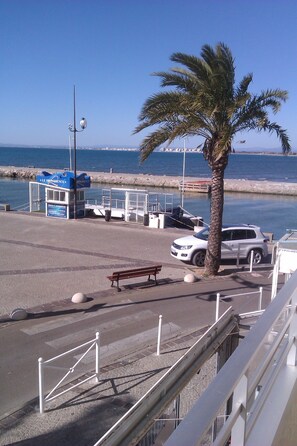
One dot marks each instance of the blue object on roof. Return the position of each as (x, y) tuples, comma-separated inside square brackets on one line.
[(64, 179)]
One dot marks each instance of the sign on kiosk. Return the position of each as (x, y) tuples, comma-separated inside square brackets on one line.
[(59, 193)]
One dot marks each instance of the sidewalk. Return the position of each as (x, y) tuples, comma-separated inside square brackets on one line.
[(83, 415), (43, 263), (86, 412)]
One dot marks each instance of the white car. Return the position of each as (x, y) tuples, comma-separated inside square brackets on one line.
[(236, 240)]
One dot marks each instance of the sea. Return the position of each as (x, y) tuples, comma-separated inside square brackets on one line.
[(273, 213)]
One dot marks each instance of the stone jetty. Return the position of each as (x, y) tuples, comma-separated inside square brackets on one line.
[(160, 181)]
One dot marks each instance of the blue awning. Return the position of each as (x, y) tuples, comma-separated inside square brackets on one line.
[(64, 179)]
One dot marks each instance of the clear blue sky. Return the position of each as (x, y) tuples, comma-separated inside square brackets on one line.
[(109, 48)]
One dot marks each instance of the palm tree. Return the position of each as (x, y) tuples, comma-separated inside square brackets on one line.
[(205, 102)]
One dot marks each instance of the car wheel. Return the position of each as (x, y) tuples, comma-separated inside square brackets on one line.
[(199, 258), (258, 256)]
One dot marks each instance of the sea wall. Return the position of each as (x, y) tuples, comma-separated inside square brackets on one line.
[(160, 181)]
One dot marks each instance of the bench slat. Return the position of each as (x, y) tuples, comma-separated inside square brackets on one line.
[(129, 275), (136, 272)]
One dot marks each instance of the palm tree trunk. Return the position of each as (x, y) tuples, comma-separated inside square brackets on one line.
[(213, 255)]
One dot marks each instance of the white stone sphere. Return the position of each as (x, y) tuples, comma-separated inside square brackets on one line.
[(78, 298), (18, 314), (190, 278)]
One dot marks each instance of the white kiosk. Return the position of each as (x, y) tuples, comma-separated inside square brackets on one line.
[(59, 194)]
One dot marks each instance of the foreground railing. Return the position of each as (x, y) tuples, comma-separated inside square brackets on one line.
[(94, 343), (248, 377), (132, 427), (229, 296)]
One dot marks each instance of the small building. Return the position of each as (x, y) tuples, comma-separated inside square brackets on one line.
[(59, 194)]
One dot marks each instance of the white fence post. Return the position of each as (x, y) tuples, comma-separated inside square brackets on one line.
[(41, 385), (251, 260), (217, 306), (159, 335), (97, 356), (260, 297), (238, 256)]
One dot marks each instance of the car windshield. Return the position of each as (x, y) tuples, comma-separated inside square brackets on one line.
[(202, 235)]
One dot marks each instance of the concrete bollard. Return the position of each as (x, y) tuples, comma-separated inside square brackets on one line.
[(18, 314), (190, 278), (79, 298)]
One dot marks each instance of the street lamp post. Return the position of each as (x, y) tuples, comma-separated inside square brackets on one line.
[(72, 128), (184, 170)]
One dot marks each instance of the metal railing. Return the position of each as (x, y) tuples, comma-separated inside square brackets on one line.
[(219, 298), (132, 427), (250, 377), (107, 203), (45, 364)]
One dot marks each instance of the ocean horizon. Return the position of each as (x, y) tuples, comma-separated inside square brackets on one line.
[(268, 167)]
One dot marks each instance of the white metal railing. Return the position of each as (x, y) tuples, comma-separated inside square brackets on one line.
[(45, 364), (22, 207), (93, 201), (116, 203), (218, 298), (250, 376), (151, 405)]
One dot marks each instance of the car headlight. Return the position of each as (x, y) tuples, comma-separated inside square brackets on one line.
[(186, 247)]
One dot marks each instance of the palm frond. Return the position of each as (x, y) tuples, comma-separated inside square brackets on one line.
[(160, 107), (181, 79), (280, 132), (154, 140), (243, 86), (205, 101)]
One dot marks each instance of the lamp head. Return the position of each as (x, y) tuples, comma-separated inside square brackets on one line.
[(83, 123)]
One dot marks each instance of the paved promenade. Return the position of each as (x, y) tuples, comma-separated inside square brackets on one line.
[(45, 260), (43, 263)]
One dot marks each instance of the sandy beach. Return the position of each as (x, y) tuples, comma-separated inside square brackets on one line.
[(163, 181)]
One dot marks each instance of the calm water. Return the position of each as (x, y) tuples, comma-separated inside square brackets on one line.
[(273, 213), (254, 167)]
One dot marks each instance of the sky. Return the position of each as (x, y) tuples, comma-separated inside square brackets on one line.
[(109, 49)]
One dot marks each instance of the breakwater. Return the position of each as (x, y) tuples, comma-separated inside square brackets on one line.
[(161, 181)]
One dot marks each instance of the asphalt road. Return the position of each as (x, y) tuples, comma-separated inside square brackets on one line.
[(44, 262)]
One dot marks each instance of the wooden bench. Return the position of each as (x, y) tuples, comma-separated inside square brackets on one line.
[(136, 272)]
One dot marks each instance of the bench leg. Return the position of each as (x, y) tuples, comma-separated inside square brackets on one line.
[(112, 285), (149, 278)]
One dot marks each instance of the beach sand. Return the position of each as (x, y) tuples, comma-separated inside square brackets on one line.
[(161, 181)]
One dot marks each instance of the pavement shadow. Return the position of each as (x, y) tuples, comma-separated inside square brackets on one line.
[(104, 404), (208, 295), (84, 429), (49, 313), (115, 386)]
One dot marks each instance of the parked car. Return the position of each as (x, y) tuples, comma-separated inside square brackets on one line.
[(236, 240)]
